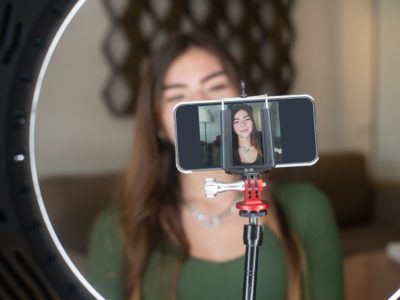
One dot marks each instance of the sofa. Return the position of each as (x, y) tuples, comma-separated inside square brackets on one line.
[(366, 211)]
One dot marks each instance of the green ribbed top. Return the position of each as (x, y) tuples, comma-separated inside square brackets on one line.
[(309, 215)]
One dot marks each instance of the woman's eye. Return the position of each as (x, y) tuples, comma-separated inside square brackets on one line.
[(217, 87), (179, 97)]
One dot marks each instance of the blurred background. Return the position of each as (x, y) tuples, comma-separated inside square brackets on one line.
[(344, 53)]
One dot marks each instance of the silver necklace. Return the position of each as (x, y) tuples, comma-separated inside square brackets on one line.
[(244, 149), (211, 221)]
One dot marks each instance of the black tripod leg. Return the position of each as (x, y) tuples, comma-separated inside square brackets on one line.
[(252, 237)]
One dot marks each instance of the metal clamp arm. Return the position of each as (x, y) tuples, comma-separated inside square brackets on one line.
[(213, 187)]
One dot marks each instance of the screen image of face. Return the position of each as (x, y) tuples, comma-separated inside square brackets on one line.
[(247, 135), (290, 132), (246, 138)]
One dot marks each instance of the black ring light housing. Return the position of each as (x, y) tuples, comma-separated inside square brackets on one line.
[(33, 264)]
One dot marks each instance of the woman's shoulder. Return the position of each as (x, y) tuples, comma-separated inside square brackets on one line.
[(105, 257), (310, 215), (304, 205), (106, 230), (108, 218), (297, 195)]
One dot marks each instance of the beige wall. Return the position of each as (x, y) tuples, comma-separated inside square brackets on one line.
[(387, 108), (335, 54), (75, 133)]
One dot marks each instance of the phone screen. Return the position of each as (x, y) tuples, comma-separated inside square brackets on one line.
[(292, 125)]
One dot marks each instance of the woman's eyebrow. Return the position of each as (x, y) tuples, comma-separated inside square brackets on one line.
[(172, 86), (241, 117), (212, 75)]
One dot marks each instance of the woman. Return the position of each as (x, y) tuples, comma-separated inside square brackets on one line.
[(155, 246), (245, 140)]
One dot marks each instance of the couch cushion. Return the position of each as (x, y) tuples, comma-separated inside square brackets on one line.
[(343, 178), (368, 237), (73, 202)]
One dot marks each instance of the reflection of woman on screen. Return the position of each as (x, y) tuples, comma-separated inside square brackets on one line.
[(245, 138)]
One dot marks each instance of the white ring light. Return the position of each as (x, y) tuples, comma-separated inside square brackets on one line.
[(32, 122)]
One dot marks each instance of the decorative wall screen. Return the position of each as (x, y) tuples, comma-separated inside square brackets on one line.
[(258, 33)]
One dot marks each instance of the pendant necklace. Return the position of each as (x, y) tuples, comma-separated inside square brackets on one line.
[(211, 221), (245, 149)]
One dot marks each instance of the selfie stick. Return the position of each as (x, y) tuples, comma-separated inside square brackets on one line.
[(253, 206)]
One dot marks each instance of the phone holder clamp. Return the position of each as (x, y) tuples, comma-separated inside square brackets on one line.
[(252, 186)]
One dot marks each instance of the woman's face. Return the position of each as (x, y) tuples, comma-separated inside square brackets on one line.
[(195, 75), (242, 124)]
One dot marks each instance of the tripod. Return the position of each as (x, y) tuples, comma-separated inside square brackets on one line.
[(252, 207)]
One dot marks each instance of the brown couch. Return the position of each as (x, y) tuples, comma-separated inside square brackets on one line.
[(73, 203), (367, 211)]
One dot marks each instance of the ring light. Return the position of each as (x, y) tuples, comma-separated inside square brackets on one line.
[(33, 263)]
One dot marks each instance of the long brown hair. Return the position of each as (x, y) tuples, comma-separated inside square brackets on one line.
[(151, 199), (151, 191)]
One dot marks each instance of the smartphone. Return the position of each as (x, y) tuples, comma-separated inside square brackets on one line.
[(199, 126)]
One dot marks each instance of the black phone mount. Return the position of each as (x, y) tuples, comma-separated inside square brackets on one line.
[(227, 147), (252, 206)]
